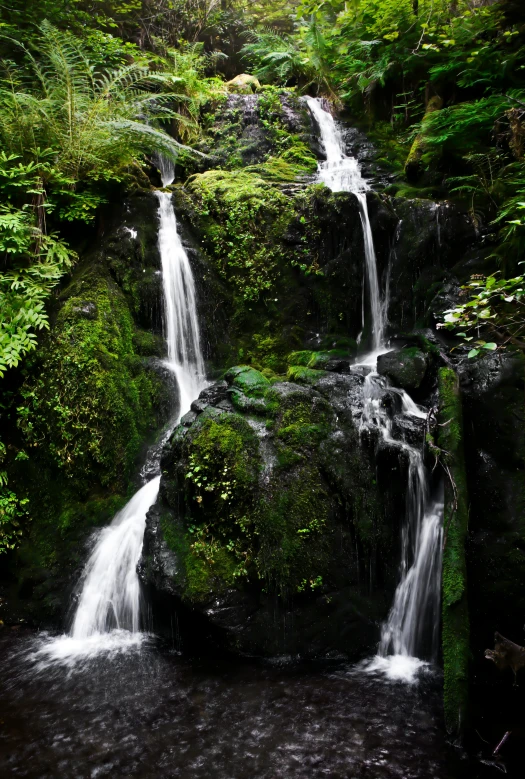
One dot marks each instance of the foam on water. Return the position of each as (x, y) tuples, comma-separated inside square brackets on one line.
[(69, 651), (396, 668)]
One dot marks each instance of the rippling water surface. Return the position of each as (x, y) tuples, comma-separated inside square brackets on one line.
[(147, 712)]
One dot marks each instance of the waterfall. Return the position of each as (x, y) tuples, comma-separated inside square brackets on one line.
[(341, 173), (412, 624), (109, 608), (180, 307), (166, 169)]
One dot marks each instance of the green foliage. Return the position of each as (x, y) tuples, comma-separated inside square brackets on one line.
[(285, 59), (495, 309), (373, 53), (221, 472), (92, 125), (12, 509), (68, 130), (37, 262)]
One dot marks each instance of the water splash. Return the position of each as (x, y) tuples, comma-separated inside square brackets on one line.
[(110, 591)]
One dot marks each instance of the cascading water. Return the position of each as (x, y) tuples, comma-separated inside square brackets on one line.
[(412, 625), (181, 323), (108, 611), (341, 173)]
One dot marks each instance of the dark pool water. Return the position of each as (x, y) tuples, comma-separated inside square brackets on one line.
[(150, 713)]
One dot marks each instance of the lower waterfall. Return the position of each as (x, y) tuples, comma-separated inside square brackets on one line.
[(412, 627), (108, 612)]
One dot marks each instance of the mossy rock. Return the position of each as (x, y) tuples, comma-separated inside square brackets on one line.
[(94, 392), (316, 360), (248, 380), (304, 375), (406, 368), (421, 157), (250, 390), (243, 84), (260, 515), (455, 632)]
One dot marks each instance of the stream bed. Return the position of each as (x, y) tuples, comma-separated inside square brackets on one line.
[(148, 712)]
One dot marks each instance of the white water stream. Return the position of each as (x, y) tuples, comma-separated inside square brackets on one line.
[(413, 623), (342, 174), (108, 614)]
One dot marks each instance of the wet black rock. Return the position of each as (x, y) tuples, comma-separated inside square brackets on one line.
[(406, 368)]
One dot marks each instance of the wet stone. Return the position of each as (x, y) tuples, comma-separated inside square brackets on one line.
[(406, 368), (188, 419), (198, 406)]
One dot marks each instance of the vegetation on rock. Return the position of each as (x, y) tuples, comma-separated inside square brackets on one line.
[(456, 652)]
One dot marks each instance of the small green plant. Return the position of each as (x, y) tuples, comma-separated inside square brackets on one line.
[(496, 308), (313, 583), (12, 509)]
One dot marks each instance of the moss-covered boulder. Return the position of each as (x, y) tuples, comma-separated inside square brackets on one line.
[(243, 129), (288, 266), (275, 513), (406, 367), (243, 84)]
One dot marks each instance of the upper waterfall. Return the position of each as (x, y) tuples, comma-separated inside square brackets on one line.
[(342, 174), (180, 308)]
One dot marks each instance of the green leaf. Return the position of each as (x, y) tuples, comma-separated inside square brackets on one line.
[(473, 353), (491, 346)]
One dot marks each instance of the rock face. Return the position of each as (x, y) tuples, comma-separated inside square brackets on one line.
[(494, 413), (422, 249), (406, 368), (276, 525)]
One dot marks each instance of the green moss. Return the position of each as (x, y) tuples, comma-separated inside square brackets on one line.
[(421, 157), (287, 457), (92, 398), (290, 531), (148, 344), (316, 360), (298, 373), (249, 380), (87, 404), (221, 471), (251, 390), (206, 567), (455, 608), (242, 219), (267, 351), (299, 435), (237, 528)]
